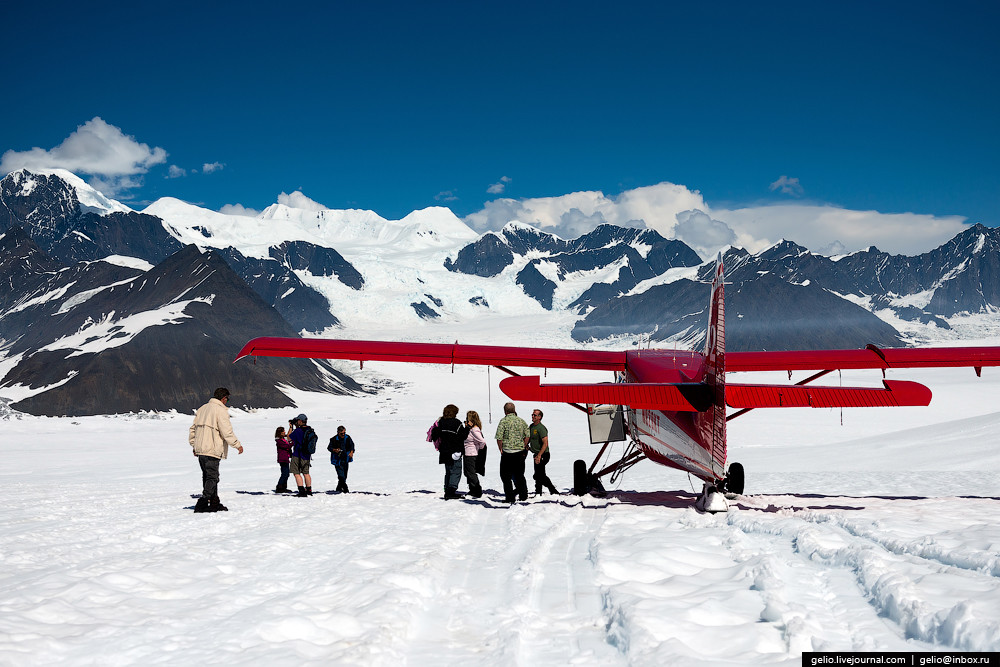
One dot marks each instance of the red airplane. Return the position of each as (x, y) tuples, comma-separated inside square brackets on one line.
[(670, 404)]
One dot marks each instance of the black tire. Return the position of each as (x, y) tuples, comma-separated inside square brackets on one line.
[(735, 478), (580, 483)]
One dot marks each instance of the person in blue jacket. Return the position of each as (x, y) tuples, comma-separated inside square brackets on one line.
[(341, 450)]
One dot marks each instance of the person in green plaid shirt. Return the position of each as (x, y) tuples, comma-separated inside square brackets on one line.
[(512, 438)]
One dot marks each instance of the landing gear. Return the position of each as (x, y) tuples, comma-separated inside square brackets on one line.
[(714, 496), (580, 486), (585, 482), (732, 485), (711, 500)]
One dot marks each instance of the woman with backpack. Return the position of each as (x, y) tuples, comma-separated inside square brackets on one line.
[(450, 435)]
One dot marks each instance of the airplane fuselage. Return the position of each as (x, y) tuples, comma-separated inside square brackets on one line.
[(681, 440)]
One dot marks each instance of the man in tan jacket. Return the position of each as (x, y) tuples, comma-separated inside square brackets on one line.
[(211, 435)]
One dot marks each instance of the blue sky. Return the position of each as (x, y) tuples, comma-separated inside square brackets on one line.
[(867, 106)]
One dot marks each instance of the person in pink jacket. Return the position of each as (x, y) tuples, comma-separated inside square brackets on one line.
[(475, 446), (210, 436), (284, 446)]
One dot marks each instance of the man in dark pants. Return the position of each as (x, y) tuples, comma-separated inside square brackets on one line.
[(341, 450), (210, 436), (538, 443), (512, 437)]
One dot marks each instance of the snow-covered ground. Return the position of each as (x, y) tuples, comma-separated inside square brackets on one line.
[(871, 530)]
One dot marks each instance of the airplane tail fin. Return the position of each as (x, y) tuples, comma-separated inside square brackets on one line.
[(713, 421)]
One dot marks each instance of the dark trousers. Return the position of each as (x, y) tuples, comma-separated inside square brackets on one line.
[(283, 480), (469, 467), (541, 479), (512, 475), (341, 469), (452, 474), (209, 476)]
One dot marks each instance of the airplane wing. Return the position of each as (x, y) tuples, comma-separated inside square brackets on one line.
[(433, 353), (870, 357)]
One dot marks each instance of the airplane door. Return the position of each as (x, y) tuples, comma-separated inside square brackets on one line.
[(607, 423)]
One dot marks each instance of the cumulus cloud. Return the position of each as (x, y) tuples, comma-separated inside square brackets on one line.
[(176, 172), (299, 200), (209, 167), (498, 187), (114, 161), (823, 228), (678, 212), (705, 235), (239, 209), (655, 206), (787, 186)]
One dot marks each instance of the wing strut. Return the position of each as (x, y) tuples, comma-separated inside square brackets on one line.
[(806, 381)]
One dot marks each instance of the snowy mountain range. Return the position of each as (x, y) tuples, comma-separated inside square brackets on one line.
[(115, 310)]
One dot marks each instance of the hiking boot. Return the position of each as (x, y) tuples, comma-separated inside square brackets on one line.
[(215, 505), (302, 492), (309, 490), (202, 505)]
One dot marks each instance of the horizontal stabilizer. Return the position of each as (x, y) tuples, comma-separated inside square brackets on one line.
[(433, 353), (896, 393), (681, 397)]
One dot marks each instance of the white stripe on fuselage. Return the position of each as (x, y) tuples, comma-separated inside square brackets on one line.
[(658, 433)]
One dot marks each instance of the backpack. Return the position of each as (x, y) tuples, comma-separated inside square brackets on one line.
[(310, 440)]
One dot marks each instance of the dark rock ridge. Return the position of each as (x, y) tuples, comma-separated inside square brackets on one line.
[(764, 314), (424, 311), (642, 254), (319, 261), (49, 211), (302, 306), (802, 305), (100, 355)]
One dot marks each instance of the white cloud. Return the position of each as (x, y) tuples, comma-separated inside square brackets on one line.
[(678, 212), (446, 195), (209, 167), (787, 186), (239, 209), (655, 206), (705, 235), (300, 201), (824, 228), (176, 172), (114, 160), (498, 187)]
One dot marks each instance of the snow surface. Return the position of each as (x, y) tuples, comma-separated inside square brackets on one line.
[(871, 530)]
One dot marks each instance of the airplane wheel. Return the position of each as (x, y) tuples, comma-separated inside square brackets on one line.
[(735, 478), (580, 485)]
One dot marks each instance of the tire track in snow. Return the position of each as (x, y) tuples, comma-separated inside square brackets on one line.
[(909, 582), (529, 595)]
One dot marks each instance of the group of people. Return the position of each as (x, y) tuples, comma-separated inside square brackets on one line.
[(462, 448), (296, 448), (211, 435)]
